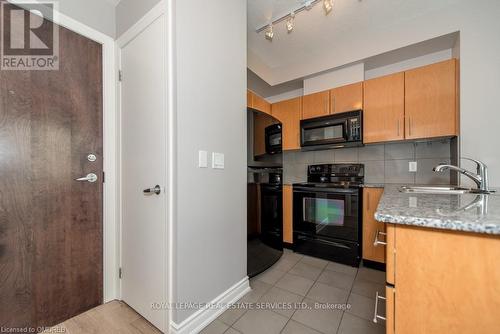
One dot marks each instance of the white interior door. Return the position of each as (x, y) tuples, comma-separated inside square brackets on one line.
[(143, 166)]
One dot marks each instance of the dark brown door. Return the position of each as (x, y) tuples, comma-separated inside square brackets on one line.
[(51, 241)]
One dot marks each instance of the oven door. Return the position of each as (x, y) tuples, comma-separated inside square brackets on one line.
[(273, 139), (272, 215), (328, 212)]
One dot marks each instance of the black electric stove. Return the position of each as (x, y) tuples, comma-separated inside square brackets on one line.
[(327, 213)]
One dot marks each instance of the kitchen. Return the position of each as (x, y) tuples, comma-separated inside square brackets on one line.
[(368, 162), (241, 167)]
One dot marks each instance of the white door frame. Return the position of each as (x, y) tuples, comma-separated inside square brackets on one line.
[(110, 145), (164, 7)]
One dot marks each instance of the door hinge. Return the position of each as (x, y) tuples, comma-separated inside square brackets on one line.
[(120, 75), (103, 177), (120, 273)]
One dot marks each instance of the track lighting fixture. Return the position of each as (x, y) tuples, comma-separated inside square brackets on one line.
[(289, 22), (269, 32), (289, 19), (327, 6)]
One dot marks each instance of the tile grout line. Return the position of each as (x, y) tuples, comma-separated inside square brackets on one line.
[(315, 281), (347, 301), (303, 298)]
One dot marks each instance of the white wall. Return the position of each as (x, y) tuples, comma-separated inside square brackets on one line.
[(409, 64), (334, 78), (210, 239), (97, 14), (129, 12)]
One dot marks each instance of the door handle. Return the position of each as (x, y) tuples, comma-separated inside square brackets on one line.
[(376, 317), (91, 177), (377, 241), (156, 190)]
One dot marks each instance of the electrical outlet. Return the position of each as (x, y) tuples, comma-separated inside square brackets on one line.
[(412, 167)]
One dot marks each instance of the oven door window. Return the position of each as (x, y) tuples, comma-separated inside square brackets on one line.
[(326, 134), (323, 212), (334, 215)]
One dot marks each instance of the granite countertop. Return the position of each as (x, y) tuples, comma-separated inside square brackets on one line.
[(467, 212)]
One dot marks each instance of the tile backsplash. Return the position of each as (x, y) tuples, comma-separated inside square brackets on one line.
[(384, 163)]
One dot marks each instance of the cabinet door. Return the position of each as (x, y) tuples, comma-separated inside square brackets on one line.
[(316, 105), (371, 197), (390, 254), (430, 101), (346, 98), (260, 123), (384, 109), (446, 282), (289, 112), (288, 214), (262, 105), (389, 310)]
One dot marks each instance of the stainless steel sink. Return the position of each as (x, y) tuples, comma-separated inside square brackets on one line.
[(436, 190)]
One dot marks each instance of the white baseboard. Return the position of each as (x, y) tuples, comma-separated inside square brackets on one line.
[(199, 320)]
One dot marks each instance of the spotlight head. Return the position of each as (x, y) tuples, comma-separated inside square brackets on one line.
[(269, 33), (327, 6)]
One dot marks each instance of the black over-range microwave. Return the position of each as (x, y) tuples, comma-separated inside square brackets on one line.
[(332, 131)]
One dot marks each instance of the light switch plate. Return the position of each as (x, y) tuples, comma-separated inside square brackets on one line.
[(202, 159), (412, 167), (217, 160)]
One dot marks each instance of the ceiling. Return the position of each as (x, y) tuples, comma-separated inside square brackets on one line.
[(302, 52), (113, 2)]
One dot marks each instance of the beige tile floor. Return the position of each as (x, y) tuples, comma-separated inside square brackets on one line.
[(293, 279), (302, 279)]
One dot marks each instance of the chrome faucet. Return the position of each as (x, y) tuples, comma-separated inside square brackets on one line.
[(481, 178)]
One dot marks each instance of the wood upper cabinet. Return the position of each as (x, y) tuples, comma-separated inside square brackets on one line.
[(371, 197), (260, 123), (346, 98), (384, 109), (250, 95), (254, 101), (431, 101), (288, 214), (289, 113), (446, 281), (316, 105)]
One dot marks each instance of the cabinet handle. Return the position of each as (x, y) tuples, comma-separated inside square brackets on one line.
[(333, 105), (368, 201), (409, 124), (398, 127), (375, 314), (376, 241)]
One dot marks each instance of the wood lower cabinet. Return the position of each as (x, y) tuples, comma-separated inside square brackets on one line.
[(431, 101), (346, 98), (289, 113), (288, 214), (316, 105), (445, 282), (384, 109), (372, 252)]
